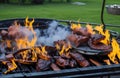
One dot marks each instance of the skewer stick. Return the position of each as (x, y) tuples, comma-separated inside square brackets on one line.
[(95, 62)]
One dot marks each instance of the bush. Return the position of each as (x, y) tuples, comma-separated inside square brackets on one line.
[(4, 1), (38, 1)]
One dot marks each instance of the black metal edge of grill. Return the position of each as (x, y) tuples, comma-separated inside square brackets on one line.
[(3, 23), (93, 71)]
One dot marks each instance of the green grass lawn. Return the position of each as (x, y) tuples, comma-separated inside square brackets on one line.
[(61, 10)]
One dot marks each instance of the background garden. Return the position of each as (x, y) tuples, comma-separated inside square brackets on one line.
[(87, 11)]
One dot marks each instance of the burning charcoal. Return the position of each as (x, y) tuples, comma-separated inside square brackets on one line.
[(10, 64), (61, 43), (54, 67), (25, 56), (82, 31), (43, 65), (62, 46), (77, 40), (80, 59), (51, 50), (43, 56), (62, 62)]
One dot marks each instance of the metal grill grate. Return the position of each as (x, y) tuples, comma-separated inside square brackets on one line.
[(30, 70)]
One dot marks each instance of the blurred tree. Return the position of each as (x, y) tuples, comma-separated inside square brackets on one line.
[(22, 1), (68, 0), (38, 1), (50, 0), (4, 1), (61, 0)]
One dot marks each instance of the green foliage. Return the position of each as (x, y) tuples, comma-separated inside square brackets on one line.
[(61, 10)]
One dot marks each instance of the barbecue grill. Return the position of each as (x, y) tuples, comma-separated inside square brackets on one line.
[(95, 70), (30, 71)]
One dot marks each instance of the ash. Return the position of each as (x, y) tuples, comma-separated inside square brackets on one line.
[(53, 33)]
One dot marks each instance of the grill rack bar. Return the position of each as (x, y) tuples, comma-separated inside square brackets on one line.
[(69, 22), (46, 21), (93, 71)]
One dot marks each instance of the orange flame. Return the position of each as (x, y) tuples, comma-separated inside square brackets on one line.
[(68, 47), (57, 47), (62, 50), (11, 65), (26, 59), (104, 33), (115, 52), (90, 29), (74, 26), (65, 49), (8, 42), (24, 43), (42, 53)]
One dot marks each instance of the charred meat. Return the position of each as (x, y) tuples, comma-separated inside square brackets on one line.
[(43, 65), (77, 40), (80, 59)]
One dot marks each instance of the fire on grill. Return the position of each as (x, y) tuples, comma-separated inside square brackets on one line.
[(56, 47)]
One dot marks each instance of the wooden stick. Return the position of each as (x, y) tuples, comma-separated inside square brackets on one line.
[(107, 61), (95, 62)]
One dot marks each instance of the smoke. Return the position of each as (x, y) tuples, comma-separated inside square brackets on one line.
[(53, 33)]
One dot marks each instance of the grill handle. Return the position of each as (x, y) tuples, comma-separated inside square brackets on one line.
[(102, 14)]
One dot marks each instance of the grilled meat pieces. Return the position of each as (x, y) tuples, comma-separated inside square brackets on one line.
[(80, 59)]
